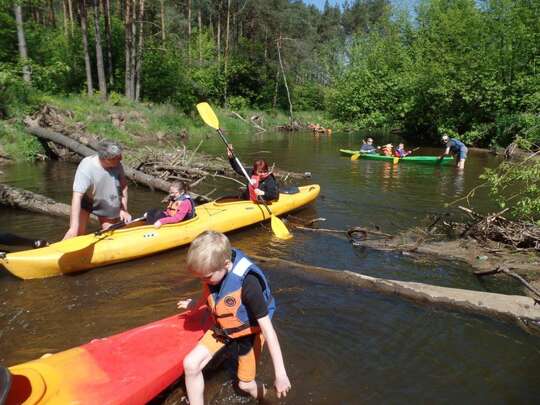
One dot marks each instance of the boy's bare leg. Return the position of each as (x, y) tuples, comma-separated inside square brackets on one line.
[(194, 363), (257, 391)]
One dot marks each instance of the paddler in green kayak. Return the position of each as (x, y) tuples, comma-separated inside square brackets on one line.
[(239, 297)]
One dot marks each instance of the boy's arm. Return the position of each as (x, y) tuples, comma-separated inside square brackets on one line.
[(189, 303), (282, 383)]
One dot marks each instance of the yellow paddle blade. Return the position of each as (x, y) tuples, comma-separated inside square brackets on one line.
[(208, 115), (396, 160), (355, 156), (279, 228)]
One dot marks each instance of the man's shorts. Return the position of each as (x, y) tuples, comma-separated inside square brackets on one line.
[(249, 351), (463, 153)]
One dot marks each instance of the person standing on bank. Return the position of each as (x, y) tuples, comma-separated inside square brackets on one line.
[(457, 149), (100, 188)]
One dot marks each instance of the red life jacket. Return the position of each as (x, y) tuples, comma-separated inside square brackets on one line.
[(256, 180)]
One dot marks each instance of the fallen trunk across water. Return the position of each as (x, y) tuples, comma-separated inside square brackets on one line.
[(521, 310)]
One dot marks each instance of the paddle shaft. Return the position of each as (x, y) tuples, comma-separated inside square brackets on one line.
[(226, 142), (118, 225)]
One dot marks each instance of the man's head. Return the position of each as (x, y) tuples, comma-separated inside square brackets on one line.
[(109, 153), (209, 257), (444, 138)]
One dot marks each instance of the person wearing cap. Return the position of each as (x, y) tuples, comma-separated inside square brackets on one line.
[(456, 148), (100, 188), (367, 147)]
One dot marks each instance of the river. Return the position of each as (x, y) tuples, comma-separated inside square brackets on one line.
[(341, 344)]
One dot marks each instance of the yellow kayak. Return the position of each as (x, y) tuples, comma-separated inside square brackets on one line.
[(89, 251)]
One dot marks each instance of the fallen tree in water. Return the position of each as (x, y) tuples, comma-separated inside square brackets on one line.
[(153, 167), (523, 311), (27, 200)]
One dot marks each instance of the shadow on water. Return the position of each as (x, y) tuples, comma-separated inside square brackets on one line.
[(341, 344)]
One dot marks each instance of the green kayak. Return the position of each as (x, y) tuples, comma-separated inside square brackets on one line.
[(422, 160)]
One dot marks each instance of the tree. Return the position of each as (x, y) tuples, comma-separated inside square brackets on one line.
[(23, 51), (84, 32), (99, 53)]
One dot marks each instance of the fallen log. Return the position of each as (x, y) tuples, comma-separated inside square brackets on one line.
[(27, 200), (517, 309), (132, 174)]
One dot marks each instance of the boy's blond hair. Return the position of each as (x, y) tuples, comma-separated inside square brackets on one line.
[(208, 253)]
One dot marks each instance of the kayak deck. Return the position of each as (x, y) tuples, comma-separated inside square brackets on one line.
[(89, 251), (128, 368), (425, 160)]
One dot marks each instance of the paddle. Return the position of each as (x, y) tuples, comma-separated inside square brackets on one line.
[(83, 241), (355, 156), (209, 117)]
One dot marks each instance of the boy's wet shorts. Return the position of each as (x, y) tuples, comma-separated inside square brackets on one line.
[(249, 351)]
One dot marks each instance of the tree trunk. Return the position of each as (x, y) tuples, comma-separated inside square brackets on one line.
[(23, 51), (128, 48), (278, 43), (133, 60), (65, 13), (199, 19), (162, 13), (218, 36), (189, 33), (52, 15), (84, 32), (70, 8), (99, 54), (226, 51), (139, 52), (107, 16)]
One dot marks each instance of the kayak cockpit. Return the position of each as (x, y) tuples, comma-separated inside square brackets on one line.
[(26, 387)]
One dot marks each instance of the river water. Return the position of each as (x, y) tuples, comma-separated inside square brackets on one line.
[(341, 344)]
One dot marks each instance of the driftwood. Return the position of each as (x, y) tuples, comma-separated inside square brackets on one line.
[(253, 121), (27, 200), (511, 308), (506, 271), (132, 174)]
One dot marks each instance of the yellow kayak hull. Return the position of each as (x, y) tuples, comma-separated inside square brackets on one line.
[(89, 251)]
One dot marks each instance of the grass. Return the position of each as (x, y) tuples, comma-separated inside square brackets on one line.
[(143, 121)]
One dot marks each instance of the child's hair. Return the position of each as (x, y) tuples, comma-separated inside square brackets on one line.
[(181, 186), (208, 253), (260, 165)]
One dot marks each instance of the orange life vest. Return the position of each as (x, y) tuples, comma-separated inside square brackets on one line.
[(256, 180), (174, 206), (230, 314)]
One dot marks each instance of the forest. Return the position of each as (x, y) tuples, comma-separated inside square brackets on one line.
[(466, 68)]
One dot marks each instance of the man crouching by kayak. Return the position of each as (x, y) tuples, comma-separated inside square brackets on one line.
[(239, 298), (263, 184), (457, 149)]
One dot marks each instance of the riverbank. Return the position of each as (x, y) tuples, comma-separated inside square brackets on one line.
[(133, 123)]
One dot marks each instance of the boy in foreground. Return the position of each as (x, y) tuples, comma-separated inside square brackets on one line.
[(240, 300)]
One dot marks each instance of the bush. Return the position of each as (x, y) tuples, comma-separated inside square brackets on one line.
[(15, 95)]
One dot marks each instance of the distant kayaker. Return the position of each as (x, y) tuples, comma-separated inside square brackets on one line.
[(456, 148), (180, 207), (16, 240), (100, 188), (367, 147), (239, 298), (400, 151), (387, 150), (263, 183)]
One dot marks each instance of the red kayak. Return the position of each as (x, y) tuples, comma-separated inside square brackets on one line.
[(132, 367)]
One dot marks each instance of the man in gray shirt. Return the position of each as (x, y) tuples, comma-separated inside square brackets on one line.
[(100, 188)]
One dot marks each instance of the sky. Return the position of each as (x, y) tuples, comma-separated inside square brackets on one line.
[(320, 3)]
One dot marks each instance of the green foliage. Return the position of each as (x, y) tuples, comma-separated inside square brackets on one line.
[(517, 186), (16, 97), (17, 143)]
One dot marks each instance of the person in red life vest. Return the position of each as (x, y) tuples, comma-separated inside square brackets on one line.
[(239, 298), (263, 183), (386, 150), (180, 207), (400, 152)]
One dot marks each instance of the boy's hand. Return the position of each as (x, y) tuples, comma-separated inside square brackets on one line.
[(183, 304), (283, 385)]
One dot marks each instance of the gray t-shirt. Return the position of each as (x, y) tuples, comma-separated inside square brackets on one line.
[(101, 187)]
